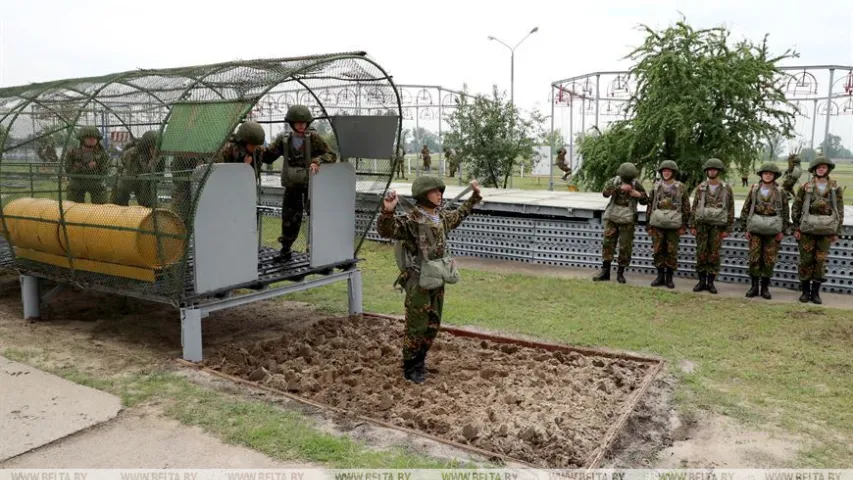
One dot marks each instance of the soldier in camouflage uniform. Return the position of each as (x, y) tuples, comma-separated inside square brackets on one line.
[(89, 160), (426, 158), (712, 219), (767, 199), (452, 162), (792, 174), (137, 161), (46, 151), (814, 249), (401, 163), (423, 307), (563, 164), (624, 191), (300, 158), (242, 147), (667, 194)]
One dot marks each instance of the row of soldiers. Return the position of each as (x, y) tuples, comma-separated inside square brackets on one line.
[(303, 150), (815, 219), (453, 161)]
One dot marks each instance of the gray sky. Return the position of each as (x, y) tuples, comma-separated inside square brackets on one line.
[(439, 42)]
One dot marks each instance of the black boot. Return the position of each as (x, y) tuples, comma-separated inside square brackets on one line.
[(711, 287), (816, 292), (604, 274), (807, 291), (703, 283), (765, 289), (411, 371), (620, 274), (669, 283), (660, 278), (753, 291)]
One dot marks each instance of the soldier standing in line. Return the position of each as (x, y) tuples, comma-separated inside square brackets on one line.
[(764, 217), (303, 150), (818, 219), (667, 215), (620, 217), (423, 232), (426, 158), (712, 219), (90, 160), (140, 159), (401, 161)]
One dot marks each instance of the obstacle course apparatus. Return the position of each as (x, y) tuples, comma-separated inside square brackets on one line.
[(196, 234)]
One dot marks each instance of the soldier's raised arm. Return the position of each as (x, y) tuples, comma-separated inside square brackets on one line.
[(611, 186), (275, 150)]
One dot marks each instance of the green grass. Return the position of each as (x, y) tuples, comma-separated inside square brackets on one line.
[(786, 365), (282, 434)]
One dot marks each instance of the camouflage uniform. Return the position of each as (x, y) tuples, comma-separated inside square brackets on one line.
[(792, 174), (137, 161), (423, 307), (47, 152), (401, 163), (426, 158), (623, 233), (563, 164), (77, 162), (452, 162), (709, 238), (298, 155), (667, 196), (814, 249), (764, 249)]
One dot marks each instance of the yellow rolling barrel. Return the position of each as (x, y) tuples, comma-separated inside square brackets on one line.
[(129, 241)]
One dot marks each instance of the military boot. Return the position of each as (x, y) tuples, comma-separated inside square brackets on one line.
[(604, 274), (669, 283), (620, 274), (411, 371), (816, 292), (765, 289), (806, 286), (711, 287), (753, 291), (703, 284), (658, 281)]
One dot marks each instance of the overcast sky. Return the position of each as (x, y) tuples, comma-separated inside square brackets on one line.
[(438, 42)]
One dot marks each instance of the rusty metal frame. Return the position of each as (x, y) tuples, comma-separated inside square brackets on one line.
[(597, 455)]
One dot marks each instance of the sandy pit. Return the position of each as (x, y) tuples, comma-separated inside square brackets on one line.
[(549, 409)]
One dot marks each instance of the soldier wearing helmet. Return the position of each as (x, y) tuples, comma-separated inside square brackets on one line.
[(765, 219), (426, 158), (243, 146), (47, 151), (87, 165), (401, 160), (563, 164), (136, 166), (818, 218), (792, 174), (303, 151), (452, 161), (712, 220), (423, 234), (667, 214), (625, 192)]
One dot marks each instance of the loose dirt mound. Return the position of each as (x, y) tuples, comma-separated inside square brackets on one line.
[(551, 409)]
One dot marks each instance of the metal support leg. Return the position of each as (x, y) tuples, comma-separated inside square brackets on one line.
[(30, 297), (191, 334), (354, 287)]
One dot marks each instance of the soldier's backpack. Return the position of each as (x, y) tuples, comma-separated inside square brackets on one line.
[(764, 224), (667, 219), (717, 217), (819, 224)]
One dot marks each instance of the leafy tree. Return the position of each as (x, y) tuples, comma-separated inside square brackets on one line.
[(492, 137), (696, 97), (773, 147), (421, 137), (833, 148)]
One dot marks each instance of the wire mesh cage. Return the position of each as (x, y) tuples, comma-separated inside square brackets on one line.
[(100, 177)]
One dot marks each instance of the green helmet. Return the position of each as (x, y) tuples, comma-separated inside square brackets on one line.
[(668, 164), (252, 133), (714, 163), (298, 113), (821, 160), (148, 140), (89, 132), (627, 172), (769, 167), (422, 185)]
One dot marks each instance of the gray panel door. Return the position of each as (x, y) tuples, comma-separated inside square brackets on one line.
[(332, 221)]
